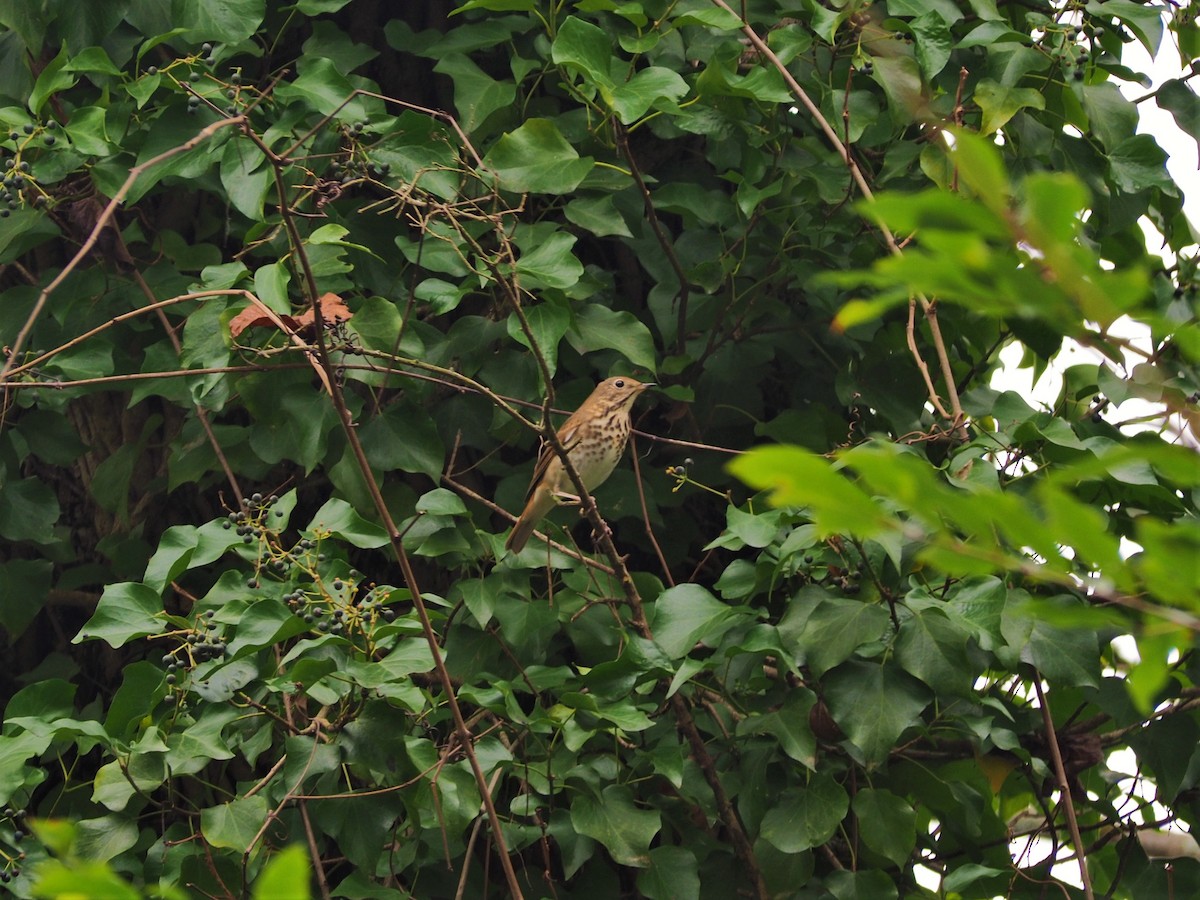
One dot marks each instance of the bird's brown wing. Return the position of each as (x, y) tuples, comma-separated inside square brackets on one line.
[(569, 436)]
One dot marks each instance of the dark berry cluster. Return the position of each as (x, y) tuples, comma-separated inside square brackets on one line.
[(18, 185), (199, 644), (11, 862), (251, 520)]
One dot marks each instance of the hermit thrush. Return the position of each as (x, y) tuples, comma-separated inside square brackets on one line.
[(594, 438)]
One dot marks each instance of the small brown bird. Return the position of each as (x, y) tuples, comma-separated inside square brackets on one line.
[(594, 438)]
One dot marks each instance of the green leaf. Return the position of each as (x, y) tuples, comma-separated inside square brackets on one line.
[(673, 874), (864, 884), (836, 628), (1001, 102), (125, 611), (476, 94), (874, 704), (1182, 102), (1062, 655), (28, 511), (1144, 21), (548, 323), (1138, 163), (887, 824), (337, 517), (235, 824), (789, 725), (550, 264), (584, 47), (756, 530), (900, 78), (934, 42), (536, 158), (228, 21), (403, 438), (286, 873), (631, 99), (599, 215), (24, 584), (806, 817), (271, 287), (688, 614), (797, 477), (54, 77), (612, 819), (596, 327), (88, 131), (933, 648), (246, 177)]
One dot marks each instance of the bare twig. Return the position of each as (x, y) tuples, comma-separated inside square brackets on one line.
[(955, 413), (1060, 775)]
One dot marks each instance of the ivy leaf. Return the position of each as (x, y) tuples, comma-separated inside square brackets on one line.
[(585, 47), (536, 158), (633, 98), (887, 823), (337, 517), (227, 21), (874, 704), (246, 176), (835, 629), (673, 874), (615, 821), (933, 648), (476, 94), (806, 817), (53, 78), (550, 264), (28, 511), (599, 215), (933, 41), (547, 323), (286, 874), (1138, 163), (596, 327), (1182, 102), (688, 614), (126, 611), (105, 838), (235, 824), (1001, 102)]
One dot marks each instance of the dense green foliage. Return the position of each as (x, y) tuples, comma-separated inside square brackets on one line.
[(286, 292)]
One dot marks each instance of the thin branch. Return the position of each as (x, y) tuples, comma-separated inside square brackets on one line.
[(103, 220), (668, 249), (1060, 775), (346, 420), (956, 414)]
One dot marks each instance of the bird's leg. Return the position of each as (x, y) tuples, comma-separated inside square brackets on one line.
[(562, 498)]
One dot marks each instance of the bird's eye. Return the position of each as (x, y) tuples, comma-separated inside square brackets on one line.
[(619, 383)]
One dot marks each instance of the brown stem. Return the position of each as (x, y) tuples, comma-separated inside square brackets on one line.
[(668, 249), (101, 222), (1060, 775), (956, 413), (345, 419)]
